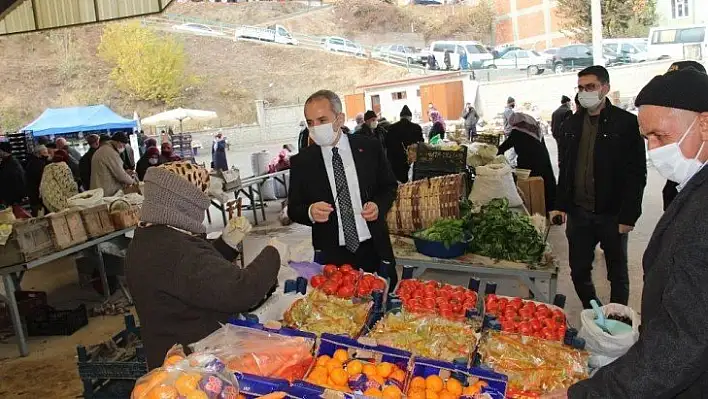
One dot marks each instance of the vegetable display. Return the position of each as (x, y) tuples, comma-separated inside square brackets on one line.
[(501, 233), (319, 313), (434, 387), (527, 317), (345, 282), (426, 335), (447, 231), (431, 297)]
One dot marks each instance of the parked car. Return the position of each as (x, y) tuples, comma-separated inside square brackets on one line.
[(501, 50), (475, 52), (577, 56), (678, 42), (341, 45), (627, 50), (273, 33), (198, 29), (527, 60), (549, 53), (400, 53)]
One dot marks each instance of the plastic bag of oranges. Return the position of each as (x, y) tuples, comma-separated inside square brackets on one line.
[(194, 377)]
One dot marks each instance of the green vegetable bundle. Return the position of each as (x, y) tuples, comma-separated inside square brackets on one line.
[(447, 231), (501, 233)]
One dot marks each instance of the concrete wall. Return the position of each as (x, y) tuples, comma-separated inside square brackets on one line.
[(546, 91)]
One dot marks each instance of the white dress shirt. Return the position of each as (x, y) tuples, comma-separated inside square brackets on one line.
[(345, 151)]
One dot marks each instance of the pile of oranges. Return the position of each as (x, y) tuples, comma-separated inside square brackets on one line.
[(433, 387), (342, 373)]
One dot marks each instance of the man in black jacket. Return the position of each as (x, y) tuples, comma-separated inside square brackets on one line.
[(401, 135), (600, 187), (342, 186), (372, 129), (557, 118), (12, 177), (34, 169), (85, 162)]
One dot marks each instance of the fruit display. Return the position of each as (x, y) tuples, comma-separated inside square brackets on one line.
[(320, 313), (193, 377), (431, 297), (433, 387), (437, 380), (258, 352), (534, 366), (346, 282), (426, 335), (529, 318)]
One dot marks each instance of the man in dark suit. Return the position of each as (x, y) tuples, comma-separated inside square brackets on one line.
[(342, 186), (557, 118), (401, 135), (669, 359)]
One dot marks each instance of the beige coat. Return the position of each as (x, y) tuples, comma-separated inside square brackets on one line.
[(57, 186), (107, 171)]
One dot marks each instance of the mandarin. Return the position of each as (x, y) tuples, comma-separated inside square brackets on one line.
[(398, 375), (392, 392), (162, 392), (445, 394), (333, 364), (369, 370), (322, 360), (430, 394), (418, 383), (187, 383), (339, 377), (373, 392), (355, 367), (416, 393), (434, 383), (172, 360), (139, 391), (384, 369), (454, 387), (341, 355), (380, 380), (198, 394)]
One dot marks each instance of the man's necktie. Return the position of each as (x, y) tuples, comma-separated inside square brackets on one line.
[(351, 236)]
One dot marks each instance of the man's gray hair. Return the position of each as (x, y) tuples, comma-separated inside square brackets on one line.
[(359, 118), (331, 96), (38, 149)]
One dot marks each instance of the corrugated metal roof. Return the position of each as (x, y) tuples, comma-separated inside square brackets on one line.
[(31, 15)]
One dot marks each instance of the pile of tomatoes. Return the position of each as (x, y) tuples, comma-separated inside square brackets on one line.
[(346, 282), (430, 297), (527, 317)]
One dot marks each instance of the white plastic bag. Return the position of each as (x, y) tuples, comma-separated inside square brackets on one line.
[(603, 347), (87, 199), (494, 181)]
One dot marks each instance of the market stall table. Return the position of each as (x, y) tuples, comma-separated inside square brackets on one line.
[(251, 186), (406, 255), (8, 273)]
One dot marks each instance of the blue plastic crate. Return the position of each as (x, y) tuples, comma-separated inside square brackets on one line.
[(497, 383), (253, 386)]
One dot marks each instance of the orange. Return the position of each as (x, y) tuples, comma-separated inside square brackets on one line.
[(341, 355), (343, 388), (354, 367), (392, 392), (380, 380), (445, 394), (384, 369), (172, 360), (187, 383), (418, 383), (398, 375), (163, 392), (369, 370), (157, 378), (429, 394), (434, 383), (139, 390), (333, 364), (416, 393), (198, 395), (373, 392), (454, 387), (339, 377), (322, 360), (319, 371)]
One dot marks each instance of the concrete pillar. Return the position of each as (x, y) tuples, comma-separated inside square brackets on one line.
[(547, 22), (260, 113), (514, 20), (596, 13)]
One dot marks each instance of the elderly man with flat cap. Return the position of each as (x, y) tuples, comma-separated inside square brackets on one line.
[(670, 360)]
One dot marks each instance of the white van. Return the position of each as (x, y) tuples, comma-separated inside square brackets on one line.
[(681, 42), (476, 53), (273, 33), (627, 50)]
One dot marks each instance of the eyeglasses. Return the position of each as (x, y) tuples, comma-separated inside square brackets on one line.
[(588, 87)]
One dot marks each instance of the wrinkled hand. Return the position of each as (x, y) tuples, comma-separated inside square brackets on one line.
[(563, 215), (624, 229), (320, 211), (235, 231), (370, 212), (557, 394), (282, 248)]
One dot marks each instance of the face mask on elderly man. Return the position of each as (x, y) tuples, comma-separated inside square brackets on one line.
[(670, 162), (373, 124)]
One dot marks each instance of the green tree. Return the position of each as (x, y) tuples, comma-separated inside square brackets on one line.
[(146, 65), (620, 18)]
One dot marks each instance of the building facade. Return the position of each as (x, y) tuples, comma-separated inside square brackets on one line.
[(528, 23), (681, 12)]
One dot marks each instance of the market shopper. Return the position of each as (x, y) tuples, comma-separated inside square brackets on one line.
[(218, 154), (57, 184), (107, 170), (12, 179), (560, 115), (167, 154), (93, 142), (508, 111), (601, 183), (74, 154), (359, 120), (400, 136), (33, 177), (470, 116), (669, 359), (183, 285), (303, 137), (371, 128), (438, 129), (342, 186), (149, 159), (527, 141)]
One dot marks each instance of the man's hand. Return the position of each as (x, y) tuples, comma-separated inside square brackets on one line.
[(370, 212), (557, 394), (320, 211), (553, 214), (624, 229)]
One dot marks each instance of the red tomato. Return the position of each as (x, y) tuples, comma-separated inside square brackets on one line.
[(503, 303), (490, 297), (444, 306), (510, 312), (456, 307), (560, 330), (469, 304), (492, 307), (549, 323), (318, 280), (446, 313), (525, 328), (329, 288), (432, 284), (363, 291), (345, 292), (526, 313), (348, 279), (377, 284), (429, 303), (329, 270), (346, 269), (536, 324)]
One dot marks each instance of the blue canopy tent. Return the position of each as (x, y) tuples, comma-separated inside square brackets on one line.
[(55, 121)]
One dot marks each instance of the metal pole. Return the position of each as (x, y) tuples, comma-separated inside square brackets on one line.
[(596, 12)]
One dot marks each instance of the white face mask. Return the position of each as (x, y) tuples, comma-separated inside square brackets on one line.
[(590, 99), (323, 135), (121, 150), (152, 161), (670, 162), (373, 125)]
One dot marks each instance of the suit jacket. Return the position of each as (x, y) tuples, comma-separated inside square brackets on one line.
[(670, 360), (309, 184)]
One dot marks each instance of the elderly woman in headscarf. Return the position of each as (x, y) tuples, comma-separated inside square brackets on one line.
[(183, 285), (150, 158), (167, 154), (57, 184), (527, 140)]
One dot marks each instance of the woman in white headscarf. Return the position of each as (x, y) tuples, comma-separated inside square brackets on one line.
[(527, 141)]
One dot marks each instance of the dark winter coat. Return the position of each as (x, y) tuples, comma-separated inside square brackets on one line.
[(184, 286), (670, 358), (379, 134), (12, 181), (218, 156), (142, 166), (302, 140), (620, 164), (33, 176), (401, 135), (85, 168)]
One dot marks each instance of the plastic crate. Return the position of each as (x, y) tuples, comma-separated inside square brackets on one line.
[(496, 383), (111, 389), (253, 386), (27, 303), (48, 321)]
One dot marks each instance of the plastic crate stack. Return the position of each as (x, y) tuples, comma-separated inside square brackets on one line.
[(22, 145), (182, 146)]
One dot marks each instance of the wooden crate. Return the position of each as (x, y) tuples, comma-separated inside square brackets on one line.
[(10, 253), (67, 228), (126, 217), (97, 221), (533, 194), (34, 237)]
